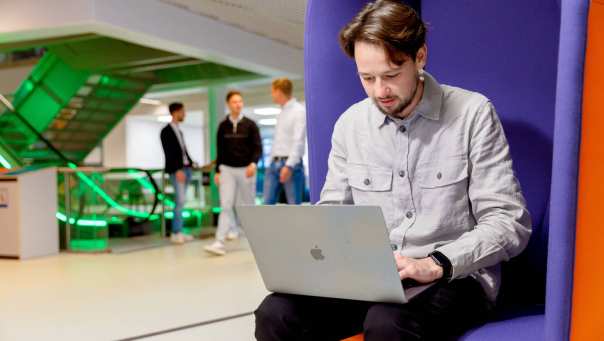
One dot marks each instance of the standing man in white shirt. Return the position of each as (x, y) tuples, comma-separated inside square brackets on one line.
[(238, 150), (178, 166), (286, 170)]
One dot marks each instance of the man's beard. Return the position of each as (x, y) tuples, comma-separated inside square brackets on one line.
[(404, 103)]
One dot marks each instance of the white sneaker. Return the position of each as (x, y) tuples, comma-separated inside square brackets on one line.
[(187, 237), (177, 238), (217, 248), (232, 236)]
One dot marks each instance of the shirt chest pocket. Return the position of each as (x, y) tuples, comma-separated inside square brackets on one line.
[(372, 186), (443, 188)]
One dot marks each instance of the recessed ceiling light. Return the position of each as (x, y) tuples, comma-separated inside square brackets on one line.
[(6, 102), (150, 101)]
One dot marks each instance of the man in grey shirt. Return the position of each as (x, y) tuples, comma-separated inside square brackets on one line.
[(436, 160)]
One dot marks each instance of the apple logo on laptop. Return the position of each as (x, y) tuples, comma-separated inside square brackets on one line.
[(317, 253)]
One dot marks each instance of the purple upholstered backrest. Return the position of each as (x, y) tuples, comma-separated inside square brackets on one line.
[(507, 50)]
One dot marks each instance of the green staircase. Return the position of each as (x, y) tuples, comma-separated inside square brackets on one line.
[(73, 109)]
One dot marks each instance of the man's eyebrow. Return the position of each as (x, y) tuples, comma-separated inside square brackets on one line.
[(398, 69)]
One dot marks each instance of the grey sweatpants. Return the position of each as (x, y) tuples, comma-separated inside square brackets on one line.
[(235, 189)]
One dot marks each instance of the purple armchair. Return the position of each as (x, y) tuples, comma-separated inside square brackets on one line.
[(527, 57)]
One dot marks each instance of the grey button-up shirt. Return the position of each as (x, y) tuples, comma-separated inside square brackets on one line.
[(443, 178)]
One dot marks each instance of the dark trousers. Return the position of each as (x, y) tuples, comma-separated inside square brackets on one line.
[(443, 312)]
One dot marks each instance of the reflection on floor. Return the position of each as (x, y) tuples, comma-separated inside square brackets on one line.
[(120, 296), (125, 245), (132, 244)]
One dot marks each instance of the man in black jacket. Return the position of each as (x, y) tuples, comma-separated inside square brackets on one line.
[(238, 150), (178, 165)]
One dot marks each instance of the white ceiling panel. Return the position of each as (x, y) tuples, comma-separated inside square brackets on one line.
[(280, 20)]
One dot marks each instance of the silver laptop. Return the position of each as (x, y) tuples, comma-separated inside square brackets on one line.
[(338, 251)]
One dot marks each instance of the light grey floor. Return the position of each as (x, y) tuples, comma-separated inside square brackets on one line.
[(236, 329), (118, 296)]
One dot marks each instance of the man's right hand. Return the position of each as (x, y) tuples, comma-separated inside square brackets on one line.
[(423, 270), (217, 179), (180, 176)]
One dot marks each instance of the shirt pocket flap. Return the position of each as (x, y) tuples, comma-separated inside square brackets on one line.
[(442, 173), (370, 179)]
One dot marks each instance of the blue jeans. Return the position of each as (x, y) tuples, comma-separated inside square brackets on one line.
[(180, 195), (294, 187)]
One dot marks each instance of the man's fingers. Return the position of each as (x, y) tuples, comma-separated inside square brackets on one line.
[(404, 274)]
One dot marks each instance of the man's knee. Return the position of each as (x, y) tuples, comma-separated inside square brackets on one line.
[(390, 322), (271, 317)]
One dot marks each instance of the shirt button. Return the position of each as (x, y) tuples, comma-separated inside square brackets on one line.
[(367, 182), (439, 175), (402, 129), (401, 174), (409, 215)]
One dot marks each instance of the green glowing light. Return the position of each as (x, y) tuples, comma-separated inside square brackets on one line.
[(216, 209), (88, 244), (81, 222), (28, 85), (109, 200), (185, 214)]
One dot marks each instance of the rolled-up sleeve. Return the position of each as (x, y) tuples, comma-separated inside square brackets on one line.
[(298, 139), (503, 223)]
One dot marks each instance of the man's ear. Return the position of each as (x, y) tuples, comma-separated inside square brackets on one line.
[(421, 57)]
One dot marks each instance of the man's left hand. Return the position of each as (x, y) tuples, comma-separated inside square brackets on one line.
[(250, 170), (423, 270), (285, 174)]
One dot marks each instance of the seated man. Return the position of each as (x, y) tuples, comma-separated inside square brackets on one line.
[(436, 160)]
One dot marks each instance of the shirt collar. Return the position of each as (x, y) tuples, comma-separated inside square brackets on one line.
[(289, 103), (239, 118), (428, 107), (431, 102)]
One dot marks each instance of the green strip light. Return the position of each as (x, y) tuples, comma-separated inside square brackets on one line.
[(109, 200), (81, 222), (5, 162), (185, 214), (103, 223)]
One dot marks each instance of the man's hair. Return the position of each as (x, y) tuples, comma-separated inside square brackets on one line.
[(284, 85), (387, 23), (231, 94), (173, 107)]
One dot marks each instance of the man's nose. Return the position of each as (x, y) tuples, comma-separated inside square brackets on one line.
[(381, 89)]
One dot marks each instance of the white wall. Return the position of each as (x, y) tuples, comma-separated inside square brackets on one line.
[(143, 145), (11, 78), (114, 147)]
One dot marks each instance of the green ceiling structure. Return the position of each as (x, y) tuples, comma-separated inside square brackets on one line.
[(83, 86)]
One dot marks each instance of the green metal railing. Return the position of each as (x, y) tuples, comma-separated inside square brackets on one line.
[(94, 203)]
